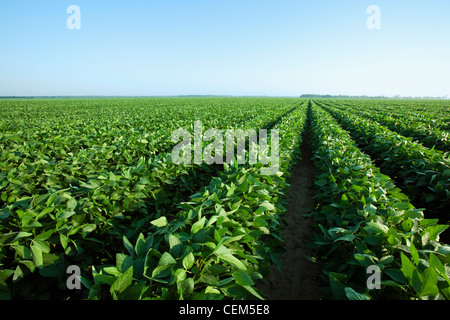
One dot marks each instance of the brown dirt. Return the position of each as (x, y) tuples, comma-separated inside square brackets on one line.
[(298, 279)]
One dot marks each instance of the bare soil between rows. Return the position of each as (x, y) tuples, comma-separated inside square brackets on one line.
[(299, 277)]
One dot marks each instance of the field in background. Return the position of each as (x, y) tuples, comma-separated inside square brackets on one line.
[(90, 183)]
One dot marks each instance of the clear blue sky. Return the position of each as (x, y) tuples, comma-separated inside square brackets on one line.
[(232, 47)]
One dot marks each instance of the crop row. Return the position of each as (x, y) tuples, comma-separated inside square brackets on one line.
[(218, 245), (97, 188), (363, 220), (423, 173), (433, 113), (405, 124), (57, 213)]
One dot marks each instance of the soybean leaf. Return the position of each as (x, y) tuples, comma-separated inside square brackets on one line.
[(198, 225), (37, 255), (188, 261), (253, 291), (414, 254), (128, 245), (225, 255), (160, 222), (337, 287), (186, 287), (376, 227), (347, 237), (351, 294), (166, 259), (123, 281), (429, 283), (242, 278)]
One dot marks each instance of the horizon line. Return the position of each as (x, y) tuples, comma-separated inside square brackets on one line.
[(304, 96)]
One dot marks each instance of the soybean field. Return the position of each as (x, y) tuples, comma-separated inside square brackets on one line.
[(357, 209)]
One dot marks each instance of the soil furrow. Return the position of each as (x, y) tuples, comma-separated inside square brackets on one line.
[(298, 279)]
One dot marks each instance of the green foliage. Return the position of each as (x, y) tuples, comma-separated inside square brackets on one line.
[(224, 237), (90, 182), (363, 220), (423, 172), (76, 189)]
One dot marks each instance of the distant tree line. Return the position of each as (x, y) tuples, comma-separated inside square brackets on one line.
[(329, 96)]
